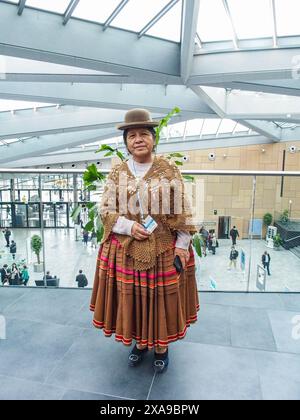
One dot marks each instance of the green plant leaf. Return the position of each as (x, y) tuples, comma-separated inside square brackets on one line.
[(164, 123), (120, 155), (175, 155), (89, 227), (197, 244), (75, 213), (189, 178)]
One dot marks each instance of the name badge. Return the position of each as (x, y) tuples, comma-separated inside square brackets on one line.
[(150, 224)]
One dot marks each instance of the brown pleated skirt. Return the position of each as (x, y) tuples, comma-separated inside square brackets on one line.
[(155, 307)]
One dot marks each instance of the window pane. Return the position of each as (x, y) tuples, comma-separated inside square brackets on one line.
[(213, 23), (252, 18), (58, 6), (211, 126), (227, 126), (136, 14), (177, 130), (194, 127), (287, 15), (169, 26), (241, 128), (95, 10), (7, 105)]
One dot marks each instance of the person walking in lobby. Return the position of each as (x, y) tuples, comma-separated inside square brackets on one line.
[(7, 235), (5, 273), (81, 279), (266, 261), (145, 286), (234, 234), (13, 249), (233, 257)]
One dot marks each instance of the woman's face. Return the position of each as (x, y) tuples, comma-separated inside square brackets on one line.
[(140, 142)]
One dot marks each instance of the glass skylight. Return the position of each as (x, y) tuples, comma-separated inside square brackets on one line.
[(6, 105), (136, 14), (95, 10), (251, 18), (213, 22), (169, 26), (21, 65), (57, 6), (287, 15)]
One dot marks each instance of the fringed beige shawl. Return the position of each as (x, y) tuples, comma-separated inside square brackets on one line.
[(144, 252)]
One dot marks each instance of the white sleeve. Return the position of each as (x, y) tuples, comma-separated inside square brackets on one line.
[(123, 226), (183, 240)]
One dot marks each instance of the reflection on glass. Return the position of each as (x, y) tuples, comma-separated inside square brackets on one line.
[(61, 215), (48, 215), (5, 215), (20, 216), (34, 216)]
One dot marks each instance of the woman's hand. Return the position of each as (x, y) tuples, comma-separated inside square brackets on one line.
[(139, 232), (183, 255)]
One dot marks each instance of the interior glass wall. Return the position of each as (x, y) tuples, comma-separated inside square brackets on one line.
[(259, 207)]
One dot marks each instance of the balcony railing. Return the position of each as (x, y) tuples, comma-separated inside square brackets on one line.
[(229, 198)]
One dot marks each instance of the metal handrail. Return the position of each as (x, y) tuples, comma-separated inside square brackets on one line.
[(184, 172), (293, 239)]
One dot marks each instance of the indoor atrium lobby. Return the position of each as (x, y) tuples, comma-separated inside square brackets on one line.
[(149, 200)]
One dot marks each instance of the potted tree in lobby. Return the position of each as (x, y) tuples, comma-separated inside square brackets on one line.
[(268, 220), (36, 246), (278, 242)]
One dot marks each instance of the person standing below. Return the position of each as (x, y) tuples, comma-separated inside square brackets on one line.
[(15, 275), (233, 258), (5, 274), (13, 249), (204, 233), (25, 275), (7, 235), (214, 243), (234, 234), (266, 261), (85, 237), (94, 241), (81, 279)]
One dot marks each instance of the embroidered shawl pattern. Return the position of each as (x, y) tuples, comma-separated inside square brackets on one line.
[(144, 252)]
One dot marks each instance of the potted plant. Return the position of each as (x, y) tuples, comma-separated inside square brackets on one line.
[(36, 246), (278, 242), (284, 218), (267, 219)]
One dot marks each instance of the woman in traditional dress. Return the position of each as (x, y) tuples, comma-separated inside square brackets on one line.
[(139, 291)]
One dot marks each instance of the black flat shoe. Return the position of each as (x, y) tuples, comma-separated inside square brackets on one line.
[(161, 362), (136, 356)]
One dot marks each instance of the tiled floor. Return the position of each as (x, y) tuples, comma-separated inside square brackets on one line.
[(242, 347), (65, 256)]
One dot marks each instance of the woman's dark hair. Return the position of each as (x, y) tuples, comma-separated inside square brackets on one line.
[(152, 131)]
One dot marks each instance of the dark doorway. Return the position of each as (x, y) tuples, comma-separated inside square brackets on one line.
[(224, 227)]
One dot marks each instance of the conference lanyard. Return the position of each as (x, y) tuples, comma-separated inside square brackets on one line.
[(138, 192)]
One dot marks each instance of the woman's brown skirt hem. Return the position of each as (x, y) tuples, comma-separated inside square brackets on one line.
[(155, 307)]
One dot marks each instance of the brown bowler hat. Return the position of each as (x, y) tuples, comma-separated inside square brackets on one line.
[(137, 118)]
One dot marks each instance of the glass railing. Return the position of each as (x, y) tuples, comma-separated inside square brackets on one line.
[(39, 204)]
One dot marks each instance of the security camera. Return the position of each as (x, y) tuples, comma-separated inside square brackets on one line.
[(73, 165), (186, 158), (293, 149), (212, 156)]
